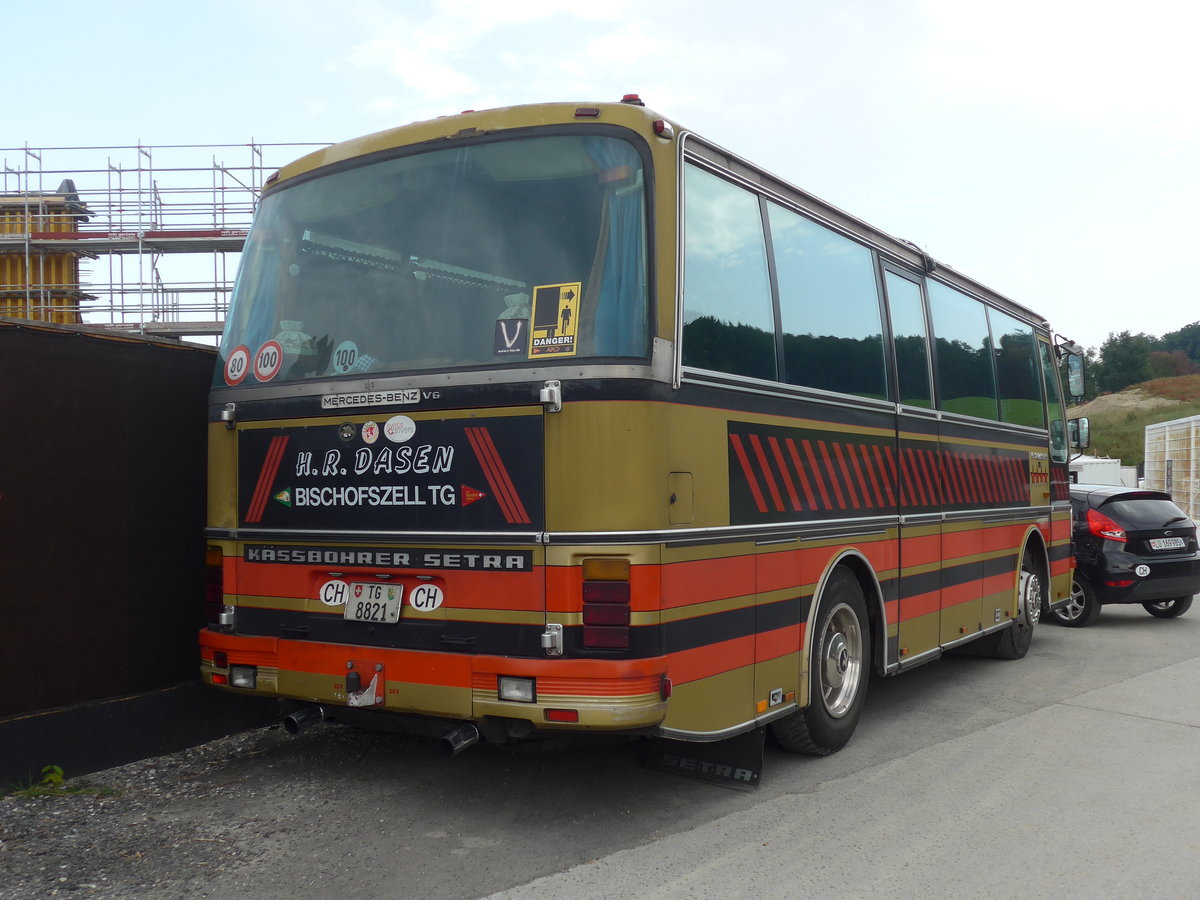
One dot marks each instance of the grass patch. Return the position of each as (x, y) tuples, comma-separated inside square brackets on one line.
[(54, 784), (1122, 434), (1185, 388)]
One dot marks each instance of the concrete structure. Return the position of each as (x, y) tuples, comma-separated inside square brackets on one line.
[(41, 285), (1173, 461)]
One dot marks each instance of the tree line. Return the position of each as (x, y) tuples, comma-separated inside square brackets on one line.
[(1126, 359)]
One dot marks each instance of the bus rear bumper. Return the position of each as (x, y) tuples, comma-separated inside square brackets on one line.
[(563, 694)]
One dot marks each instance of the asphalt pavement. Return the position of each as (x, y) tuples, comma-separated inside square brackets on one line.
[(1074, 772)]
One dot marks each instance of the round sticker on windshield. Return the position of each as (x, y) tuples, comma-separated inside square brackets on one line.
[(399, 429), (370, 432), (345, 355), (268, 361), (1141, 571), (237, 364)]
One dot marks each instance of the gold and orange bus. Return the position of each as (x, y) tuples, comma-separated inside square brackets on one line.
[(562, 418)]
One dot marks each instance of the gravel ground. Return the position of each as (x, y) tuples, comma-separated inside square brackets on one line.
[(167, 827)]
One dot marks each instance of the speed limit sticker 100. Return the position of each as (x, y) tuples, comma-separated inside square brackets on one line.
[(268, 361)]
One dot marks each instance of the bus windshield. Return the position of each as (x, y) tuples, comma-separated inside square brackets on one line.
[(512, 252)]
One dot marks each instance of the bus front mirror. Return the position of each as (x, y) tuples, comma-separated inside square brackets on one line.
[(1075, 375), (1079, 433)]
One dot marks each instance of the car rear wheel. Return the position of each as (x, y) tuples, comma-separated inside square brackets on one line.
[(1082, 609), (839, 667), (1168, 609)]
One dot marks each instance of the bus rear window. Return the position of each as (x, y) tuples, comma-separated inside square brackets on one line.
[(515, 252)]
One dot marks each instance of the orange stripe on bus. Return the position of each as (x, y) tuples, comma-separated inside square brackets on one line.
[(777, 643), (711, 659)]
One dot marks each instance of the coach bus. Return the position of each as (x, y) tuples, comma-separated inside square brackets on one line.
[(561, 418)]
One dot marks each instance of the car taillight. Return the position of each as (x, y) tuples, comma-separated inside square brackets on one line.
[(1103, 527), (606, 598), (214, 587)]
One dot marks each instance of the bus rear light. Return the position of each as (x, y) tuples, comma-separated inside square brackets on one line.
[(606, 568), (214, 586), (1122, 583), (521, 690), (220, 659), (605, 592), (605, 637), (562, 715), (218, 678), (606, 603), (606, 614), (664, 129)]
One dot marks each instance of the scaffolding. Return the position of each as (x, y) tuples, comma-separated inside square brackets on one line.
[(148, 241)]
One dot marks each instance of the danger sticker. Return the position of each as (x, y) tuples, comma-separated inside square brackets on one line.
[(555, 319)]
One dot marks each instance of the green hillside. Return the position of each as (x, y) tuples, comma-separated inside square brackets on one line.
[(1119, 420)]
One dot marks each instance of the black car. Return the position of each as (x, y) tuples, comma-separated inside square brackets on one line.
[(1131, 546)]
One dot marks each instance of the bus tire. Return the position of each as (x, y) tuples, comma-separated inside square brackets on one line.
[(839, 666), (1014, 642)]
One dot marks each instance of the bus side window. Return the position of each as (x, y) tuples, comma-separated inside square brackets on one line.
[(1056, 420), (1017, 378), (911, 338), (966, 379), (829, 306), (729, 322)]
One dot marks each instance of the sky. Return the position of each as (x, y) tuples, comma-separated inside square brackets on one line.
[(1047, 148)]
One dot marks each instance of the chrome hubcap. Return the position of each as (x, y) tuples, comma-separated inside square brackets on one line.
[(1029, 595), (841, 660)]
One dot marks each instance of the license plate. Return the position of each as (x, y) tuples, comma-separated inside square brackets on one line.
[(373, 602), (1167, 543)]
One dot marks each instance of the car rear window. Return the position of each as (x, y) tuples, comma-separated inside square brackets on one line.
[(1145, 512)]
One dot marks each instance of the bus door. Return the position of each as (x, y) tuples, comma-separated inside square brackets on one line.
[(969, 459), (920, 587)]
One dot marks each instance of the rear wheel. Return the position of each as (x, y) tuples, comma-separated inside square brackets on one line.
[(1168, 609), (1082, 609), (1014, 642), (839, 667)]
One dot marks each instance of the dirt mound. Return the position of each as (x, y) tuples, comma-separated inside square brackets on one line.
[(1134, 398)]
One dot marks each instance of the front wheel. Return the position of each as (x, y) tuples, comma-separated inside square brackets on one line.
[(1082, 609), (839, 667), (1168, 609)]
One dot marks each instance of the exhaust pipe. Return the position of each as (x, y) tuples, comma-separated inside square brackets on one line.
[(302, 718), (458, 740)]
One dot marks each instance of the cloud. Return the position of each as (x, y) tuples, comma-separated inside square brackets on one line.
[(1084, 60)]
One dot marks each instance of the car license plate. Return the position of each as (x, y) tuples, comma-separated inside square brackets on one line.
[(1173, 543), (372, 602)]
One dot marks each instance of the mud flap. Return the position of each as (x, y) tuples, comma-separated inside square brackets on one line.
[(736, 762)]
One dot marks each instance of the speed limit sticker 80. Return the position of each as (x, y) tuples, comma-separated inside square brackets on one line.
[(237, 364)]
